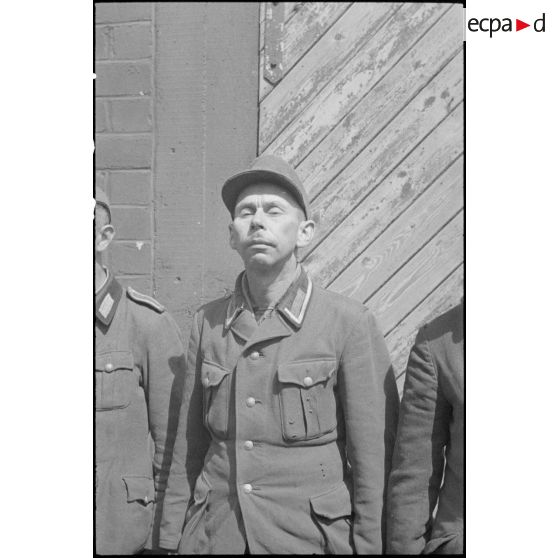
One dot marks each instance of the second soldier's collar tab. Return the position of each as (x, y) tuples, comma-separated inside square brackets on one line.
[(294, 302)]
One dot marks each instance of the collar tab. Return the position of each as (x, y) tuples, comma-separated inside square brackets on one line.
[(107, 300)]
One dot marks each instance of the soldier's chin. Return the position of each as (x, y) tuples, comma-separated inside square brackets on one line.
[(259, 259)]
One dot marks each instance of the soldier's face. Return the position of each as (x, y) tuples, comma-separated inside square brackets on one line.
[(268, 226)]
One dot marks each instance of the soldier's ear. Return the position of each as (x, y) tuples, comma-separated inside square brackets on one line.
[(232, 237), (104, 238), (305, 233)]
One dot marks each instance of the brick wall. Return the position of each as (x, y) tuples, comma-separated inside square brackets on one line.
[(124, 60)]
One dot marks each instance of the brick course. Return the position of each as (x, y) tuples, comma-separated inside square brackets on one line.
[(116, 78), (123, 151), (102, 42), (129, 187), (132, 223), (131, 41), (130, 115), (116, 12)]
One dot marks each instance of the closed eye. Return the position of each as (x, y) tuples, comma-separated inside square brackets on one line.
[(245, 211)]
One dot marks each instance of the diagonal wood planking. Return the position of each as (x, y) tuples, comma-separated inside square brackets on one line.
[(432, 264), (370, 113), (388, 149), (315, 70), (346, 139), (404, 237), (398, 191), (359, 76), (301, 33)]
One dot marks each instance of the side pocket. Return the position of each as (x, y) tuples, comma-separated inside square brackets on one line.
[(192, 541), (216, 382), (451, 543), (332, 512), (140, 497)]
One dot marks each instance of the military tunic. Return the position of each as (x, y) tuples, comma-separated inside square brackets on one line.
[(273, 415), (139, 376)]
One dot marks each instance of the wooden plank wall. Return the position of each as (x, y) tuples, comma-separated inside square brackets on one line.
[(370, 113)]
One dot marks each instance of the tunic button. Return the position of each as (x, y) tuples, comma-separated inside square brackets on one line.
[(109, 367), (255, 355), (248, 445), (206, 382), (307, 381), (250, 402), (247, 488)]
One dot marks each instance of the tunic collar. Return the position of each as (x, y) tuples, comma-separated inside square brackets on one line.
[(292, 305), (107, 299)]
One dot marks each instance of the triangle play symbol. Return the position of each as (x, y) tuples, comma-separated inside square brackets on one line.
[(519, 25)]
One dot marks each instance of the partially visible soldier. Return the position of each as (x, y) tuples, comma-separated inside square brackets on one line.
[(428, 457), (139, 376)]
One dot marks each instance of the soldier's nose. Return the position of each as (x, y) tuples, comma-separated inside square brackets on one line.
[(257, 219)]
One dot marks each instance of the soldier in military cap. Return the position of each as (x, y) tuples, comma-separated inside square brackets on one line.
[(139, 377), (290, 404)]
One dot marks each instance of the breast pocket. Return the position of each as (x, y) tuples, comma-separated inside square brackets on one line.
[(307, 399), (114, 380), (216, 382)]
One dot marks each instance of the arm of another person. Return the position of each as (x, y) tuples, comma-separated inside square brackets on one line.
[(164, 375), (370, 405), (192, 441), (418, 460)]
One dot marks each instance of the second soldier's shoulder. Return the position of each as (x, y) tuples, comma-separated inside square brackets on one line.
[(215, 306), (341, 304)]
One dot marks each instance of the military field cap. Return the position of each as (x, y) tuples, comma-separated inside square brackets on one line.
[(102, 199), (266, 168)]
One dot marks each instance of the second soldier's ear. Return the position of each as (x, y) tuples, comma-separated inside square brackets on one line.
[(305, 233), (232, 237), (104, 237)]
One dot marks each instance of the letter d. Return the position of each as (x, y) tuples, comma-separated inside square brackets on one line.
[(535, 25)]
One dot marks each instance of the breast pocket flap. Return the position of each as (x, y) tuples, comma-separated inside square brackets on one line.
[(306, 373), (212, 374), (115, 360)]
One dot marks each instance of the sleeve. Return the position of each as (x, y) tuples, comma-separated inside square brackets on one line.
[(418, 459), (370, 405), (164, 373), (192, 441)]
